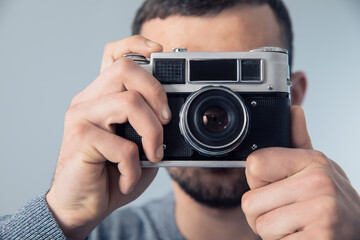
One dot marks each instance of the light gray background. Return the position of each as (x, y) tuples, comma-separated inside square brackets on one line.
[(50, 50)]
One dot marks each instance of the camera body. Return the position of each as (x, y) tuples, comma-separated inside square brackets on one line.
[(224, 105)]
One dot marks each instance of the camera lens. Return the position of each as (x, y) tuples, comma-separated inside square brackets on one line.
[(214, 121)]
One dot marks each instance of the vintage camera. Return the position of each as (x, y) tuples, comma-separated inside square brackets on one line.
[(224, 105)]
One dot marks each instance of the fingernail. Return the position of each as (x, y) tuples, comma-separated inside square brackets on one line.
[(160, 152), (151, 43), (166, 113)]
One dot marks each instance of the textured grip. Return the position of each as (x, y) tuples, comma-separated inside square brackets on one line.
[(269, 124), (269, 127)]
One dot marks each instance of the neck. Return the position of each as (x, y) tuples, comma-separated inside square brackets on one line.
[(196, 221)]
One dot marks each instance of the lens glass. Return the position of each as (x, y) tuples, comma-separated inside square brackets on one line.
[(215, 119)]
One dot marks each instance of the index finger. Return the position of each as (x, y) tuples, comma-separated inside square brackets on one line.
[(134, 44), (125, 75)]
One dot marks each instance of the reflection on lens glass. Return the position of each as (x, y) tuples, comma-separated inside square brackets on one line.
[(215, 119)]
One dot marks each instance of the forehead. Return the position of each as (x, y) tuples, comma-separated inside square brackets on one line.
[(241, 28)]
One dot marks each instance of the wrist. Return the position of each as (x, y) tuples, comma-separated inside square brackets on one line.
[(72, 222)]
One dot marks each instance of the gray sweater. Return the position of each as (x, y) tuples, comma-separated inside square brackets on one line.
[(154, 220)]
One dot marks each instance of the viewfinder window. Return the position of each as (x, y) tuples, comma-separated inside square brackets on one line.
[(214, 70)]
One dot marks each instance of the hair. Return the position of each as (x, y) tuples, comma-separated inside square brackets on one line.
[(162, 9)]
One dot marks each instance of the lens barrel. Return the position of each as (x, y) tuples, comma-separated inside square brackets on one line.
[(214, 121)]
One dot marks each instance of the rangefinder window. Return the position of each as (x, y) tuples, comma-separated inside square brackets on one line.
[(250, 70), (214, 70)]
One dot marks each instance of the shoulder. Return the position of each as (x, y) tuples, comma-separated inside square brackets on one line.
[(153, 220)]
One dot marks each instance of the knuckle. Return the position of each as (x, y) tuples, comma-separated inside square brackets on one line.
[(120, 68), (71, 113), (158, 131), (133, 150), (158, 91), (117, 98), (108, 46), (246, 203), (132, 98), (80, 130), (76, 99), (321, 180), (79, 134), (125, 62), (123, 65), (321, 158)]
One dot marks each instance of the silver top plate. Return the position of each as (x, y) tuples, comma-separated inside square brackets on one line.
[(274, 70)]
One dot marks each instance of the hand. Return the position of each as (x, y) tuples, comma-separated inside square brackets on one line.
[(299, 193), (98, 171)]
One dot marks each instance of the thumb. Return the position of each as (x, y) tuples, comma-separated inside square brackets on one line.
[(299, 135)]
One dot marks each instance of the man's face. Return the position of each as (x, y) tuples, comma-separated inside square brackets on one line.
[(241, 28)]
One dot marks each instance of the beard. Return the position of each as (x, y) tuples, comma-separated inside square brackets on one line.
[(220, 188)]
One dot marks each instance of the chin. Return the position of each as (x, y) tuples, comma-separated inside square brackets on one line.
[(212, 187)]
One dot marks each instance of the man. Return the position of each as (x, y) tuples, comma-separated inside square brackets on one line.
[(295, 193)]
